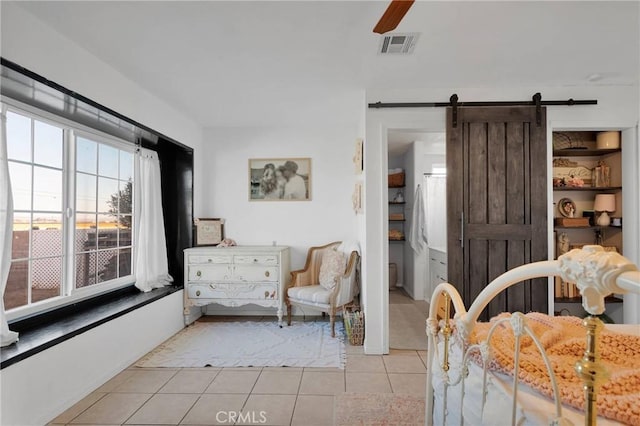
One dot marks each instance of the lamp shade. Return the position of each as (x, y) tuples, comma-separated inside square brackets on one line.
[(605, 203)]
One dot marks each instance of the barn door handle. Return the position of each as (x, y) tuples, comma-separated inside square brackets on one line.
[(462, 229)]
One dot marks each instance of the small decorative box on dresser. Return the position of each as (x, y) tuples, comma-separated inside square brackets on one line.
[(236, 276)]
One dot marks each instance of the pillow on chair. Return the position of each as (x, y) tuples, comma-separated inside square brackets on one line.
[(332, 267)]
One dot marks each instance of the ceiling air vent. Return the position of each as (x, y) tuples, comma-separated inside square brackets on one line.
[(402, 43)]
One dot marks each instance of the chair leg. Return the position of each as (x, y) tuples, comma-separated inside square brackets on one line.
[(288, 313), (332, 319)]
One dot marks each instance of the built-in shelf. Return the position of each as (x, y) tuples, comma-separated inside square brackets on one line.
[(397, 202), (397, 220), (587, 188), (608, 299), (396, 186), (396, 241), (583, 152), (587, 227)]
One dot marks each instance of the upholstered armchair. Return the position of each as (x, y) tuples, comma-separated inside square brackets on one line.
[(305, 289)]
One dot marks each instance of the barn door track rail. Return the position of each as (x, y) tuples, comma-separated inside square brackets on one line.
[(536, 100)]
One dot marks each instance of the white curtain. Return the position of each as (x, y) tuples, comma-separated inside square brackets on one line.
[(436, 196), (151, 265), (6, 230)]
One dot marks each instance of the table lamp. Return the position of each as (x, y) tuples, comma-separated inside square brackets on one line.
[(605, 203)]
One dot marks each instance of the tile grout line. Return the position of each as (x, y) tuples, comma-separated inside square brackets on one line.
[(151, 397)]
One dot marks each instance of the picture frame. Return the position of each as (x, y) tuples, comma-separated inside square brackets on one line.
[(279, 179), (358, 156), (356, 198), (566, 207), (208, 231)]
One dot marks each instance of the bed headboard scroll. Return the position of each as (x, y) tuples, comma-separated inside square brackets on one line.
[(595, 272)]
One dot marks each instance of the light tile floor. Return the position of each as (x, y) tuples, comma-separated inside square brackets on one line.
[(266, 396)]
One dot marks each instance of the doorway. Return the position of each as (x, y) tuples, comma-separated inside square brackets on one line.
[(418, 154)]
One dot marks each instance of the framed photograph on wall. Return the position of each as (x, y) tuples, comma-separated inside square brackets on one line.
[(208, 231), (279, 179)]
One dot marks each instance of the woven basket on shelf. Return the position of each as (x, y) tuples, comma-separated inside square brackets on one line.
[(396, 180)]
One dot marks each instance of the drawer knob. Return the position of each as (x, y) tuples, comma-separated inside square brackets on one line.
[(197, 292), (199, 273), (209, 260), (266, 273), (255, 260)]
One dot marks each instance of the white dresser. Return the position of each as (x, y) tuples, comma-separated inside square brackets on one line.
[(236, 276)]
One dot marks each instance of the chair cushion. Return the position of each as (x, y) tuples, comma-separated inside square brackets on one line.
[(310, 293), (332, 267)]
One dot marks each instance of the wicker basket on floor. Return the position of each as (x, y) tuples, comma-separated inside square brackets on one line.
[(354, 326)]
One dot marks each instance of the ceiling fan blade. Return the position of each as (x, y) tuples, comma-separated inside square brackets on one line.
[(392, 16)]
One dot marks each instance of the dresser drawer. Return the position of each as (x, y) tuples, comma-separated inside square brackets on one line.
[(255, 273), (260, 291), (213, 258), (256, 260), (210, 272)]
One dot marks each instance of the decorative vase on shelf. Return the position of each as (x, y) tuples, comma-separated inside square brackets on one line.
[(399, 198)]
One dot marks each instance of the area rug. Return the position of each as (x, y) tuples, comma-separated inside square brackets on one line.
[(251, 344), (383, 409), (407, 327)]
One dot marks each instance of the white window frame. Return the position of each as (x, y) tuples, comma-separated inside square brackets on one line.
[(68, 293)]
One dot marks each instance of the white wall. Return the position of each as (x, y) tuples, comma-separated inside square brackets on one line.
[(617, 107), (29, 42), (299, 224), (37, 389)]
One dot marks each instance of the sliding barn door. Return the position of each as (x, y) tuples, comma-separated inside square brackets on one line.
[(496, 202)]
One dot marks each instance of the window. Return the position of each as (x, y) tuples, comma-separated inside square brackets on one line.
[(73, 213)]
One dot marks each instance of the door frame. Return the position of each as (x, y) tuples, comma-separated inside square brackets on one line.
[(377, 298)]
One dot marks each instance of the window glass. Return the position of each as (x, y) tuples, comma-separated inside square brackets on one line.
[(108, 160), (18, 137), (20, 175), (86, 155), (86, 189), (46, 235), (104, 246), (126, 166), (47, 143), (86, 227), (16, 293), (47, 189), (102, 206), (108, 195), (21, 235), (46, 277)]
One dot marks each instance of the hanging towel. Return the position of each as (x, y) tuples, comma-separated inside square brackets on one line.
[(418, 227)]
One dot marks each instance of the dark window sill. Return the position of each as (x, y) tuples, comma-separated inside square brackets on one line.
[(47, 330)]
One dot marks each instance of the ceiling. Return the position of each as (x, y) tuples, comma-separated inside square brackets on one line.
[(241, 63)]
